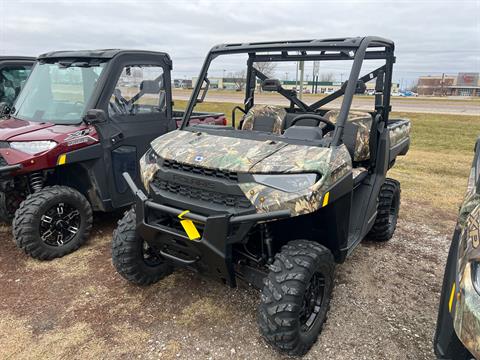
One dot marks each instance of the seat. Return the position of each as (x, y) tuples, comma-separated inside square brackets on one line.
[(356, 134), (267, 118)]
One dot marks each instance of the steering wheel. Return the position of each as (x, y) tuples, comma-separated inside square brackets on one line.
[(319, 119)]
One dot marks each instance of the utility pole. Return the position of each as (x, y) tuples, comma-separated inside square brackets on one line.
[(316, 68), (302, 73)]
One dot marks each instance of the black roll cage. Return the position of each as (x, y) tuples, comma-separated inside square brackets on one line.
[(355, 48)]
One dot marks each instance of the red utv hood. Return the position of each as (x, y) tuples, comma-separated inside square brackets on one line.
[(14, 127)]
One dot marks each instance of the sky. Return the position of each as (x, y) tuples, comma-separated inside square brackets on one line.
[(431, 37)]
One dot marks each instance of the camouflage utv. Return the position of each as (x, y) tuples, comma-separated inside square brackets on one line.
[(277, 199), (458, 327)]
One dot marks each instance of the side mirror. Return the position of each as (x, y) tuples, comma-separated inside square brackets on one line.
[(95, 116), (361, 87), (271, 85), (204, 92), (150, 87)]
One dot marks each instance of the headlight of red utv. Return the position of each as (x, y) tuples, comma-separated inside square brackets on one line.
[(33, 147), (287, 182)]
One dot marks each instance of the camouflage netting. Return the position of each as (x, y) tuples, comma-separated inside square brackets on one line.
[(363, 120)]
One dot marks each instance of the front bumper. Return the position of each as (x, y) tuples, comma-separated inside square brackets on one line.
[(212, 253), (7, 170)]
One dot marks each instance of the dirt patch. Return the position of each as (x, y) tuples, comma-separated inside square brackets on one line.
[(384, 304)]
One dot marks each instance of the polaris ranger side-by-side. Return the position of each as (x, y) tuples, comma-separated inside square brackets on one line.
[(82, 119), (277, 199)]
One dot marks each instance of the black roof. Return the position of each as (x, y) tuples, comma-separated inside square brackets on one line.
[(96, 54), (17, 58), (334, 43)]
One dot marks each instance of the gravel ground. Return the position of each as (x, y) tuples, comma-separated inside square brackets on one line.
[(384, 304)]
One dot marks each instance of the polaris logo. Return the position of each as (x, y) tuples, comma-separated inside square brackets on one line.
[(199, 158)]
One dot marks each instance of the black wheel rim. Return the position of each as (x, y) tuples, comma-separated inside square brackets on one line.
[(312, 302), (149, 255), (60, 224)]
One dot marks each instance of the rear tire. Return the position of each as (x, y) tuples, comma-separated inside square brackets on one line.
[(133, 258), (296, 296), (387, 211), (52, 222)]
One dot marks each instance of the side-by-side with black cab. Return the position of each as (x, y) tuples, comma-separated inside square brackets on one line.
[(82, 119), (278, 198)]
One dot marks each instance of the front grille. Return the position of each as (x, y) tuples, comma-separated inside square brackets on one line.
[(4, 144), (219, 174), (229, 200)]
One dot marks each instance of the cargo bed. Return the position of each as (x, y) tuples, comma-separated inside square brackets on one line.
[(399, 137)]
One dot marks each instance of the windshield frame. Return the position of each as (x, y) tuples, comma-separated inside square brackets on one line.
[(260, 52), (67, 62)]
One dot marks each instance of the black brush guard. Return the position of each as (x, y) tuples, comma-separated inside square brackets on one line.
[(212, 253)]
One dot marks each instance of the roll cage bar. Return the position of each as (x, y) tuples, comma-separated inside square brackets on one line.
[(356, 49)]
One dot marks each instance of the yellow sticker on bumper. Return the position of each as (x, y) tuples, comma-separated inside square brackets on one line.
[(189, 227), (62, 159), (326, 197), (452, 296)]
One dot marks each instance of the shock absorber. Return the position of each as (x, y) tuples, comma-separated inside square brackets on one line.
[(36, 181), (268, 239)]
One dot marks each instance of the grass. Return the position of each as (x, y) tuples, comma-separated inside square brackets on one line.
[(436, 168)]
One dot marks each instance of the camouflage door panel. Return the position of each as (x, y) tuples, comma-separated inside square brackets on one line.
[(363, 120), (259, 112)]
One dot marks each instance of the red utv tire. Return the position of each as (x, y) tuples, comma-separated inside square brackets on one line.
[(52, 222)]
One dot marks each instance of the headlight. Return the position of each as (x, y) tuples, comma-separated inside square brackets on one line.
[(476, 275), (33, 147), (151, 157), (287, 183)]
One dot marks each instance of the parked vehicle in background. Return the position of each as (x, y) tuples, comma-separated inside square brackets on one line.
[(278, 201), (14, 71), (82, 119), (457, 335)]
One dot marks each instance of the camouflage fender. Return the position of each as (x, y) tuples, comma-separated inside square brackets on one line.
[(466, 316), (331, 163)]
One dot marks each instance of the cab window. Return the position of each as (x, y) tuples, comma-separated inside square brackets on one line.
[(12, 79), (140, 89)]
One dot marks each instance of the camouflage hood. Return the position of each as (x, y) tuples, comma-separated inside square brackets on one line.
[(255, 156), (241, 155)]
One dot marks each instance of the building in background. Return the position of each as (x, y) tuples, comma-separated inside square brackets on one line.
[(463, 84)]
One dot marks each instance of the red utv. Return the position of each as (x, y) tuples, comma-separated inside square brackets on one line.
[(82, 119)]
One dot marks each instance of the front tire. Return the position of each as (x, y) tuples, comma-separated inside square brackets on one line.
[(52, 222), (133, 258), (387, 211), (296, 296)]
